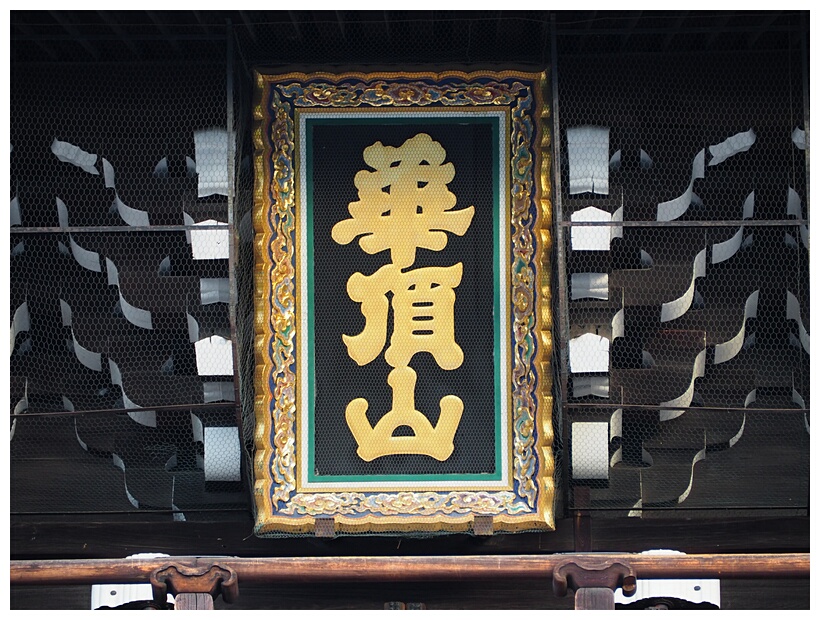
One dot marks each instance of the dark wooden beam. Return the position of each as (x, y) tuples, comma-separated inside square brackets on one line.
[(110, 19), (630, 29), (166, 33), (74, 33), (766, 25), (232, 534), (30, 35), (675, 29), (249, 25), (453, 568)]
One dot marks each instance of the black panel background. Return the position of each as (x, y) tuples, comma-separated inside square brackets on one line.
[(337, 152)]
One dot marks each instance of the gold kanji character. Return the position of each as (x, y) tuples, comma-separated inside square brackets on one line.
[(423, 315), (376, 441), (404, 204)]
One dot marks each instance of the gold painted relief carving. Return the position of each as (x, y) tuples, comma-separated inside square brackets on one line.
[(405, 203)]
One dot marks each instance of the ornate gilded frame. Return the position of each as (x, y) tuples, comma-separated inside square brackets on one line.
[(281, 506)]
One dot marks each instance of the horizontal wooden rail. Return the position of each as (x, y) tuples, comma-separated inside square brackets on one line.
[(409, 568)]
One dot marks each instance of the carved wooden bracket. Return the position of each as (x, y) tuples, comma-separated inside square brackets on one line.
[(211, 579), (589, 573)]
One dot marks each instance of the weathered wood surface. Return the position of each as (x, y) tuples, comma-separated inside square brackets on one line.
[(413, 568), (745, 594), (119, 537)]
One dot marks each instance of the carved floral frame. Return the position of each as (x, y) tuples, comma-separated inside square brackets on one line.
[(281, 508)]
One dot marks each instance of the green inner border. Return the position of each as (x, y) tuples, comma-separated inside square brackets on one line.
[(412, 118)]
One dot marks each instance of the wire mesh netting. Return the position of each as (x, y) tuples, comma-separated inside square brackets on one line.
[(683, 189), (681, 284), (122, 365)]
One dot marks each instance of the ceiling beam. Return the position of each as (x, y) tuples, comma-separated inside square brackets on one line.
[(633, 23), (107, 17), (74, 33), (164, 31), (583, 40), (675, 30), (295, 23), (249, 26), (721, 28), (29, 33), (766, 24)]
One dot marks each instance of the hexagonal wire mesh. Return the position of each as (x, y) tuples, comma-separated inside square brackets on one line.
[(684, 219), (122, 365)]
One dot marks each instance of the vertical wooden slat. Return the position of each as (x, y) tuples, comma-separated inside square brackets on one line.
[(187, 601), (594, 598)]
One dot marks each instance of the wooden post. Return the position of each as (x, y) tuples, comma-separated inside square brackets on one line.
[(594, 598), (187, 601)]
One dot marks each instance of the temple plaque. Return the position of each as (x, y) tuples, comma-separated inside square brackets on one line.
[(403, 377)]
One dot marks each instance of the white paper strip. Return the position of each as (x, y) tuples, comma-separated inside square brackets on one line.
[(132, 217), (119, 464), (749, 206), (616, 424), (618, 216), (685, 399), (588, 159), (646, 160), (62, 213), (146, 418), (799, 138), (188, 221), (726, 249), (21, 322), (193, 328), (86, 258), (590, 450), (590, 237), (615, 161), (738, 143), (739, 434), (161, 169), (618, 324), (87, 358), (804, 235), (793, 312), (673, 209), (22, 404), (190, 166), (698, 458), (594, 285), (211, 161), (214, 356), (216, 391), (794, 205), (674, 309), (590, 385), (21, 247), (209, 244), (108, 172), (197, 428), (727, 350), (74, 155), (214, 290), (16, 220), (222, 455), (136, 316), (589, 353), (20, 407)]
